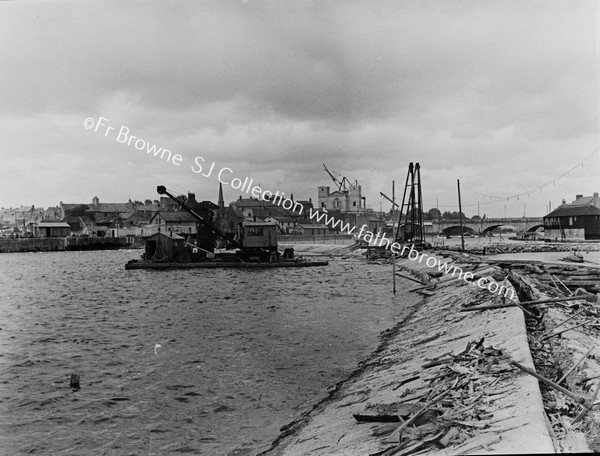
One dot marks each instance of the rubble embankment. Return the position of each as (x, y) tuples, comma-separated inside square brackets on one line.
[(443, 381), (564, 340), (489, 248)]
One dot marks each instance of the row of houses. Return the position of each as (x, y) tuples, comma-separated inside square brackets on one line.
[(579, 220), (142, 219)]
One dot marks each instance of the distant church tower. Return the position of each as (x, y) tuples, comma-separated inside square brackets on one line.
[(221, 200)]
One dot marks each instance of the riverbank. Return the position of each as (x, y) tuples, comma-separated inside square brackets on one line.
[(67, 244), (489, 406), (503, 245)]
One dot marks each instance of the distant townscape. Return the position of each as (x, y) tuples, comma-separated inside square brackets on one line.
[(579, 220), (142, 218)]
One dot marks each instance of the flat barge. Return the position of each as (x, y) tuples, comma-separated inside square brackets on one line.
[(255, 244)]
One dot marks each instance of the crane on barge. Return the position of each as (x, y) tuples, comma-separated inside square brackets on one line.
[(256, 241), (256, 244)]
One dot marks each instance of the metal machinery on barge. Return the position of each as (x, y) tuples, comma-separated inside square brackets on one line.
[(255, 246)]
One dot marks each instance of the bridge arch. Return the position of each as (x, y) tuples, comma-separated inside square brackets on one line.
[(535, 228), (455, 230), (491, 228)]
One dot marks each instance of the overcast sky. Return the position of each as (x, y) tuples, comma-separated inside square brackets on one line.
[(502, 95)]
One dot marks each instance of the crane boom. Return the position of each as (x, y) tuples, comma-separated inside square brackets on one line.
[(162, 190), (341, 184), (389, 199)]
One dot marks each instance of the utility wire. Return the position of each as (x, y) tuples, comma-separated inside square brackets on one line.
[(535, 189), (499, 199)]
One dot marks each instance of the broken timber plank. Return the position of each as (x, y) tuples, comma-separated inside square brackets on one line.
[(411, 278), (587, 408), (566, 392), (563, 322), (526, 303), (559, 381), (564, 330), (376, 418)]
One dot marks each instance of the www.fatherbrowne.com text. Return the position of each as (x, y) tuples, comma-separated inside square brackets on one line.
[(224, 175)]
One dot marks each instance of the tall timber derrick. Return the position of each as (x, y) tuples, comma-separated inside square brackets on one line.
[(410, 228)]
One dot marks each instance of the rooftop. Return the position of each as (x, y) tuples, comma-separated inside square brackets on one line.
[(568, 210), (171, 216)]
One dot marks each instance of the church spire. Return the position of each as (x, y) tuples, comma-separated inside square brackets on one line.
[(221, 200)]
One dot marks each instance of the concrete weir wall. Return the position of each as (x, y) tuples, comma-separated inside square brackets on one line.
[(508, 401), (32, 245), (62, 244)]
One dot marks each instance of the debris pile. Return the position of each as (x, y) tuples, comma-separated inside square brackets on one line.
[(456, 402), (497, 248), (568, 278), (562, 346)]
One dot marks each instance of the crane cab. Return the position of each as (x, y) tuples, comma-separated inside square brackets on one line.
[(259, 235)]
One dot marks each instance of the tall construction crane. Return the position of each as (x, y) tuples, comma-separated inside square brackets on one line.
[(341, 184), (162, 190)]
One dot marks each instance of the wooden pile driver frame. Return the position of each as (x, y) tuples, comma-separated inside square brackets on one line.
[(412, 230)]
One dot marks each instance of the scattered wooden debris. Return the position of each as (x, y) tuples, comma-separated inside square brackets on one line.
[(515, 304), (408, 380), (566, 392), (571, 277), (452, 407), (563, 322), (564, 331), (564, 377), (588, 406), (411, 278)]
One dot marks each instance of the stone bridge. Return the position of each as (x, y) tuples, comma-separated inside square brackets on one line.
[(484, 226)]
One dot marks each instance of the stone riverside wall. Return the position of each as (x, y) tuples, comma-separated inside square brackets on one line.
[(492, 407), (68, 243)]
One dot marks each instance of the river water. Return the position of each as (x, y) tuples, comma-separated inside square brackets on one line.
[(175, 362)]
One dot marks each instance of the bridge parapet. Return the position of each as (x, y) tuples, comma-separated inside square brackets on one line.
[(479, 226)]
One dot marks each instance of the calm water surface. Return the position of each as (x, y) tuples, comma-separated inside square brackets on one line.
[(175, 362)]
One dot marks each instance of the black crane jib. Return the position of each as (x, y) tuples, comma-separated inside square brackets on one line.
[(162, 190), (389, 199)]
